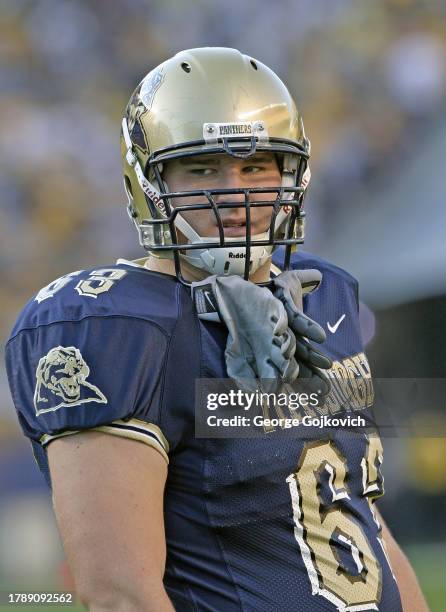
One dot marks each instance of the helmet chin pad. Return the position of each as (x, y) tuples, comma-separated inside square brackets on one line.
[(223, 261)]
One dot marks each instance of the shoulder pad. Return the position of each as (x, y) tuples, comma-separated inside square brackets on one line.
[(116, 290), (305, 260)]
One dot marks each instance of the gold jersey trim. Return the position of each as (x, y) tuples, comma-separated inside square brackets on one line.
[(135, 429)]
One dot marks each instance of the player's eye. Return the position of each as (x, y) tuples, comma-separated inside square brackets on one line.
[(253, 169), (202, 171)]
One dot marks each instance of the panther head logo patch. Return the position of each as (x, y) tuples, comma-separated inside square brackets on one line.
[(61, 381)]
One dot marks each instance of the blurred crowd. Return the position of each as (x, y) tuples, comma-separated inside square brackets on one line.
[(368, 76)]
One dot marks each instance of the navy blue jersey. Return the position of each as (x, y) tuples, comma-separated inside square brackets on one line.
[(262, 524)]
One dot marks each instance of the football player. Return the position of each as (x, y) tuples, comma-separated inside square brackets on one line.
[(103, 364)]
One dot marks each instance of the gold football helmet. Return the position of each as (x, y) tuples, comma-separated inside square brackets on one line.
[(213, 101)]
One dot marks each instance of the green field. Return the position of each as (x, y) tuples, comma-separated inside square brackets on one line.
[(429, 563)]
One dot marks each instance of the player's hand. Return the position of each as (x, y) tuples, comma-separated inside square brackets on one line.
[(260, 343), (289, 288)]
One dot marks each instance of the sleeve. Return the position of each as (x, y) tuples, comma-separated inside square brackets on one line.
[(99, 373)]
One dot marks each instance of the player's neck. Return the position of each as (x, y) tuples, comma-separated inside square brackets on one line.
[(191, 273)]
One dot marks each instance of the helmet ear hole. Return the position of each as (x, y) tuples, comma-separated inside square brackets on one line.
[(186, 67), (128, 187)]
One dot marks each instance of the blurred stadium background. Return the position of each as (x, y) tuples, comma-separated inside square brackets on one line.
[(370, 78)]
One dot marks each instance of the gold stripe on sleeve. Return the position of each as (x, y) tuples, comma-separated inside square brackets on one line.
[(135, 429)]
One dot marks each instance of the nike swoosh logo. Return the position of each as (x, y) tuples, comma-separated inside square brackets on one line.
[(207, 296), (336, 325)]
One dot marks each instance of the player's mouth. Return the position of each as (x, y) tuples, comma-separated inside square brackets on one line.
[(234, 228), (237, 228)]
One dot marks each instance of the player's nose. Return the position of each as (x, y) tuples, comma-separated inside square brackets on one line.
[(232, 208)]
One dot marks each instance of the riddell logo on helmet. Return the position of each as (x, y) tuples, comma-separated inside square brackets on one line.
[(154, 196), (237, 255)]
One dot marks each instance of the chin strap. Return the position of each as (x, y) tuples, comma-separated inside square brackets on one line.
[(153, 194)]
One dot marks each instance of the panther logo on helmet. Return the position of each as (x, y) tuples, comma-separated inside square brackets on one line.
[(139, 104), (135, 109), (61, 381), (149, 87)]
